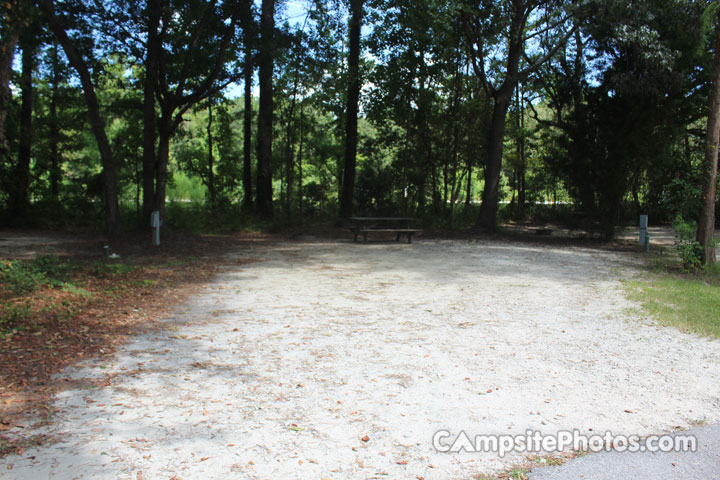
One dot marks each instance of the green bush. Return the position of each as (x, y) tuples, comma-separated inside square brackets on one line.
[(691, 252), (25, 276), (14, 316), (21, 277)]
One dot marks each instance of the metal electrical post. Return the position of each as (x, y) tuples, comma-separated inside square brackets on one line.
[(644, 234), (155, 224)]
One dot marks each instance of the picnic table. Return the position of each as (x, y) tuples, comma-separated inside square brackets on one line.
[(397, 225)]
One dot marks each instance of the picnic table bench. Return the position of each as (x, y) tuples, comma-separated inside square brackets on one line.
[(397, 225)]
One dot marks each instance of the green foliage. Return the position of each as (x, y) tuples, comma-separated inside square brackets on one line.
[(26, 276), (21, 277), (690, 251), (681, 196), (611, 124), (14, 315), (372, 191), (76, 290), (214, 173), (186, 189)]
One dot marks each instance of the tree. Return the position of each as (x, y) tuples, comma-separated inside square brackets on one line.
[(97, 122), (9, 34), (621, 96), (265, 110), (249, 36), (205, 148), (706, 226), (195, 69), (186, 51), (506, 27), (351, 119), (152, 63), (54, 135), (20, 200)]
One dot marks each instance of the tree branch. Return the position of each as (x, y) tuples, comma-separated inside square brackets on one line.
[(531, 68)]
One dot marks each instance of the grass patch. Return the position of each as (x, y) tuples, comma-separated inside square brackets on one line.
[(689, 302), (76, 290)]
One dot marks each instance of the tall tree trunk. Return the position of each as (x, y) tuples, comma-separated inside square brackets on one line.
[(487, 220), (211, 159), (20, 200), (54, 125), (454, 188), (446, 180), (290, 146), (521, 153), (8, 42), (405, 157), (152, 59), (468, 191), (300, 160), (706, 225), (97, 123), (247, 129), (353, 97), (165, 132), (265, 111)]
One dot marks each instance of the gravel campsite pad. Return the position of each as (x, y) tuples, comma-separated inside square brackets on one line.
[(324, 360)]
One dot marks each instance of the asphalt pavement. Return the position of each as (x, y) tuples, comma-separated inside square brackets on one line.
[(703, 464)]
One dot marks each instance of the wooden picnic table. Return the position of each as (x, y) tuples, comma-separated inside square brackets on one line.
[(398, 225)]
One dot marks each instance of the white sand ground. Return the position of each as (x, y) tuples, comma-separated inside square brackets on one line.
[(281, 368)]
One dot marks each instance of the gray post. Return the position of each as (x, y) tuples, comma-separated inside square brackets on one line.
[(155, 224), (643, 230)]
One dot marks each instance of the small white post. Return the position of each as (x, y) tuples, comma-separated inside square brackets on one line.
[(643, 230), (155, 224)]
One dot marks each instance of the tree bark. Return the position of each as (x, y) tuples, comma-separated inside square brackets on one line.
[(265, 110), (521, 153), (165, 131), (97, 123), (211, 159), (351, 119), (8, 42), (706, 224), (454, 181), (406, 156), (300, 161), (20, 200), (54, 126), (149, 162), (247, 129), (487, 220), (468, 191), (290, 145)]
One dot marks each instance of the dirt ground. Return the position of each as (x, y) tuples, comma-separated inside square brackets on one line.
[(332, 360)]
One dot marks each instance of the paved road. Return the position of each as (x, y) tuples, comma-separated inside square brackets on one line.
[(704, 464)]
